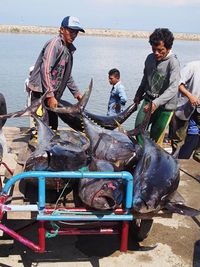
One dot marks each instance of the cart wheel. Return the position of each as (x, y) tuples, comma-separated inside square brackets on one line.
[(140, 228)]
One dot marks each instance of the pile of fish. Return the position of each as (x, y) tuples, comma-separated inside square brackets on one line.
[(96, 143)]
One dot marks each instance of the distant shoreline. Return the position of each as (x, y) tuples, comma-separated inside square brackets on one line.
[(93, 32)]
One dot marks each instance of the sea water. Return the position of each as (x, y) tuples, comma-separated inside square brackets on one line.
[(94, 57)]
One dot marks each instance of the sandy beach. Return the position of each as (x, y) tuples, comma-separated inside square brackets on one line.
[(93, 32)]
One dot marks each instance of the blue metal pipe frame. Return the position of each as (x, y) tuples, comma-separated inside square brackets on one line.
[(42, 175)]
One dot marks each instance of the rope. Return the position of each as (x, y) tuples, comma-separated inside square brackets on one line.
[(84, 169), (54, 226), (58, 212), (61, 194)]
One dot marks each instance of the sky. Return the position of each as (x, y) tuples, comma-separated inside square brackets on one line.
[(141, 15)]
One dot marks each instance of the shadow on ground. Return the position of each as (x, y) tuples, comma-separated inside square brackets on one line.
[(65, 248)]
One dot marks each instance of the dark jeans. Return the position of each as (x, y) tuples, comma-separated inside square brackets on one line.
[(177, 132), (53, 119), (178, 135), (191, 143)]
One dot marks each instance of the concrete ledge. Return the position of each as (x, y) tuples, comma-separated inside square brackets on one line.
[(92, 32)]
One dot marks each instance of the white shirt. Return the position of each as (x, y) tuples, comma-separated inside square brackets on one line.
[(190, 77)]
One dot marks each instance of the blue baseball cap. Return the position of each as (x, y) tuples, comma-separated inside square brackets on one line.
[(72, 23)]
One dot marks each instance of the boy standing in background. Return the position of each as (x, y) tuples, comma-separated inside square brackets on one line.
[(118, 96)]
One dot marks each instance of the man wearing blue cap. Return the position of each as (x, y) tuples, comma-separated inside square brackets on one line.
[(52, 70)]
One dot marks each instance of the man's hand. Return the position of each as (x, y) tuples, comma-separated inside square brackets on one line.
[(147, 107), (52, 102), (137, 100), (117, 107), (194, 100), (79, 97)]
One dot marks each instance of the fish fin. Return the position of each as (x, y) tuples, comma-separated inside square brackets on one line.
[(142, 127), (117, 163), (176, 153), (28, 111), (176, 197), (182, 209), (39, 111), (83, 102), (120, 127)]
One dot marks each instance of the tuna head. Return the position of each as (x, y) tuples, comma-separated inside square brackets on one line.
[(101, 194), (58, 153), (58, 156), (156, 177), (112, 146), (38, 161), (109, 196), (66, 157)]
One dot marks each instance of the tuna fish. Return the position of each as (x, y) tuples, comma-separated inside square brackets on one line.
[(67, 152), (71, 114), (74, 120), (56, 154), (110, 151), (156, 178), (101, 194), (32, 110), (26, 111), (112, 146)]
